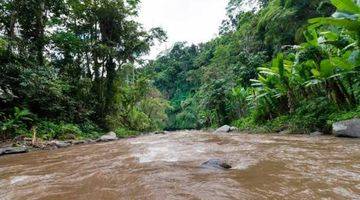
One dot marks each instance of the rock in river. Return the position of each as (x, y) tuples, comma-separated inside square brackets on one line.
[(108, 137), (159, 133), (316, 134), (13, 150), (215, 164), (349, 128), (60, 144), (225, 129)]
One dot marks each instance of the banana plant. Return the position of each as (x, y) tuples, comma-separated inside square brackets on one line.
[(347, 16), (275, 81), (15, 121), (332, 72), (342, 64)]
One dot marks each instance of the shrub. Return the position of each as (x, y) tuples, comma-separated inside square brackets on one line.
[(125, 133), (343, 115), (48, 130), (15, 124), (90, 130), (68, 131), (312, 115)]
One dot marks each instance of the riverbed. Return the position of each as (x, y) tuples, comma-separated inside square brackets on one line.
[(168, 167)]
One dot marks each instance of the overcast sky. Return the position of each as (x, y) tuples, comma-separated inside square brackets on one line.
[(193, 21)]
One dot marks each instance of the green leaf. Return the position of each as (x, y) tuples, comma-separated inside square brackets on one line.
[(348, 6), (311, 36), (316, 73), (326, 68), (345, 23), (330, 36), (341, 63)]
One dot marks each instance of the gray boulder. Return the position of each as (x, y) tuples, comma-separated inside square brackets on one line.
[(225, 129), (316, 134), (13, 150), (348, 128), (59, 144), (111, 136), (215, 164)]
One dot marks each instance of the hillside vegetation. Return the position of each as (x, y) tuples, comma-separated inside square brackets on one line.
[(72, 68), (68, 68), (289, 65)]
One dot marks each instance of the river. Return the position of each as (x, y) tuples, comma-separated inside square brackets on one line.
[(167, 167)]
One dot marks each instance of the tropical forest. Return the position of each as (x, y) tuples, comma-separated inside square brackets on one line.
[(259, 104)]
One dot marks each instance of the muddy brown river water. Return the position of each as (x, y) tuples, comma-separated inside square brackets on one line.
[(167, 167)]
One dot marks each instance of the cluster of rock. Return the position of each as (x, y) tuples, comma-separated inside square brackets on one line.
[(25, 145)]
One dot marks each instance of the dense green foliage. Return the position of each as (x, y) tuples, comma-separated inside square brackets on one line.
[(289, 64), (68, 67)]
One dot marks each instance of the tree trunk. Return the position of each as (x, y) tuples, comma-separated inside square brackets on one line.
[(11, 31), (110, 79), (40, 33), (291, 100)]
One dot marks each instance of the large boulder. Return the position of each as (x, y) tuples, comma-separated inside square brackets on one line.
[(111, 136), (225, 129), (13, 150), (349, 128), (215, 164)]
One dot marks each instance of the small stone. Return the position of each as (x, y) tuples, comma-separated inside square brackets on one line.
[(285, 132), (90, 141), (159, 132), (77, 142), (316, 134)]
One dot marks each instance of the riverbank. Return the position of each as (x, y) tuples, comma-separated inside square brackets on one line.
[(25, 145), (347, 128)]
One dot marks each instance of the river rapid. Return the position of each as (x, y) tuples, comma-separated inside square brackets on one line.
[(168, 167)]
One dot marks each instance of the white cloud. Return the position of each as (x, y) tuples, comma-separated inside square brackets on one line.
[(193, 21)]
